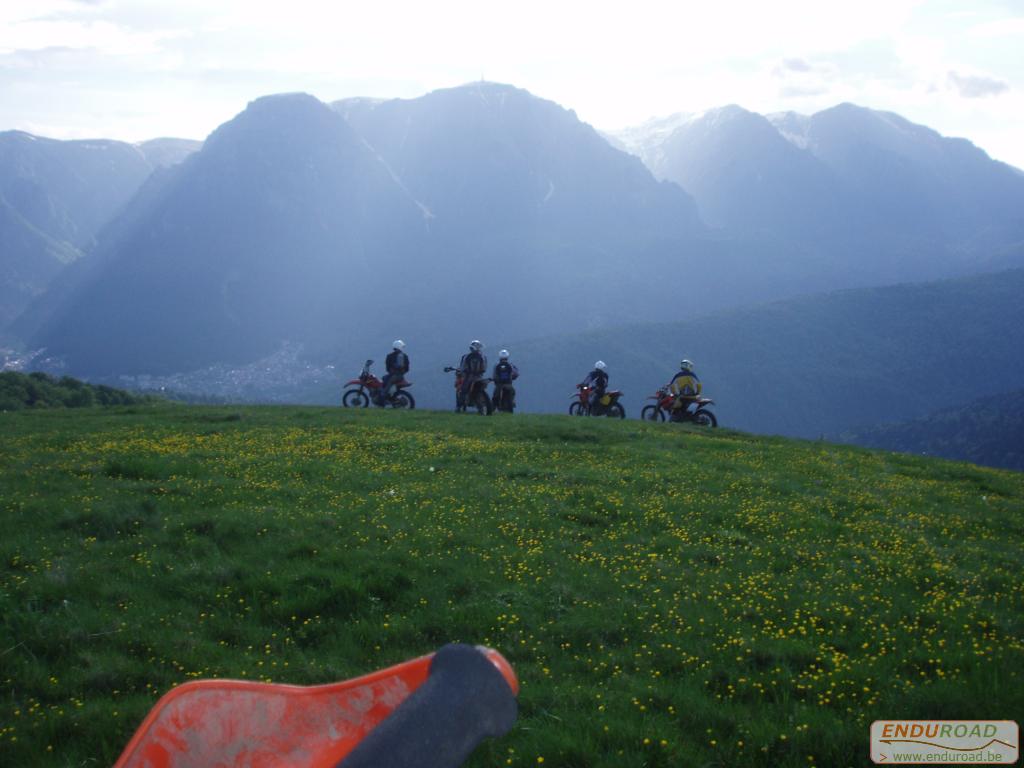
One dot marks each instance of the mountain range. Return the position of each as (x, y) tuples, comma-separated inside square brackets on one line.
[(864, 193), (486, 211), (295, 224)]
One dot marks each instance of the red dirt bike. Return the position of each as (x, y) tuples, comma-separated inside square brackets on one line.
[(661, 409), (367, 388), (608, 405), (477, 397), (450, 700)]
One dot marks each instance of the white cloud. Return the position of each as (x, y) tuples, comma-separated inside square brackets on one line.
[(1012, 27), (977, 86), (34, 35)]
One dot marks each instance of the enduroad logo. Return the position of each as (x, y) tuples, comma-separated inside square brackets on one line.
[(976, 742)]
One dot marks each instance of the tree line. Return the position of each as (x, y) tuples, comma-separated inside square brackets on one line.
[(41, 390)]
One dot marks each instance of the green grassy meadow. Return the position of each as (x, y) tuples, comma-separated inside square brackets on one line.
[(668, 597)]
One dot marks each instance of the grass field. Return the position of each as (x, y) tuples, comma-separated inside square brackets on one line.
[(667, 597)]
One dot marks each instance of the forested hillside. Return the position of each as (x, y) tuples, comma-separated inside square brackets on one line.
[(987, 431), (814, 366)]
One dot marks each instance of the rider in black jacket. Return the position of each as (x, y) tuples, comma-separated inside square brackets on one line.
[(597, 380), (472, 366), (397, 365)]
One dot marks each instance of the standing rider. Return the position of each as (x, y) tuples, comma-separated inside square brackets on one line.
[(472, 366), (397, 365), (597, 380), (504, 374), (686, 387)]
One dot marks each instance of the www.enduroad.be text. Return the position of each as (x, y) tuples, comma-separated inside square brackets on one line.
[(981, 756)]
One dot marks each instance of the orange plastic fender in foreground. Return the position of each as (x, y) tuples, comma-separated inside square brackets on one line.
[(222, 723)]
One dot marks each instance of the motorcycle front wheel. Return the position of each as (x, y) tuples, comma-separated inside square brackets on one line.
[(482, 403), (355, 398), (576, 409), (704, 418), (652, 413), (615, 411)]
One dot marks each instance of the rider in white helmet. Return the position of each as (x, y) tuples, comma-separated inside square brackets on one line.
[(685, 386), (472, 366), (396, 366), (597, 380), (504, 374)]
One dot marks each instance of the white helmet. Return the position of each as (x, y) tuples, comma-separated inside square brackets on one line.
[(600, 365), (686, 365), (475, 345), (503, 355), (398, 344)]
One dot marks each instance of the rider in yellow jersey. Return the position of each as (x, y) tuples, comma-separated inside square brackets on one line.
[(686, 387)]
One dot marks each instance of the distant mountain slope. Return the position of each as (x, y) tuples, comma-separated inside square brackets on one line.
[(867, 192), (988, 431), (29, 260), (814, 366), (165, 152), (267, 233), (55, 196), (68, 189), (487, 158), (746, 176), (915, 180)]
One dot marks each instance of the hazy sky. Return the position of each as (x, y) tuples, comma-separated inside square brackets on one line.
[(137, 69)]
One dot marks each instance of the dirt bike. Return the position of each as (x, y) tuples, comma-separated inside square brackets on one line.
[(367, 389), (476, 399), (608, 405), (662, 409), (450, 700)]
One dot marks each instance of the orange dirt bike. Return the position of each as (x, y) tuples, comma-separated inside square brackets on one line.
[(429, 712), (662, 409), (608, 405), (476, 399)]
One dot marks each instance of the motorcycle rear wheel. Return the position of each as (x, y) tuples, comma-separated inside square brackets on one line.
[(503, 402), (355, 398), (403, 399), (704, 418), (615, 411), (652, 413)]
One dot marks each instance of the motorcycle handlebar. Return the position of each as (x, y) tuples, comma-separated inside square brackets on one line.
[(465, 699)]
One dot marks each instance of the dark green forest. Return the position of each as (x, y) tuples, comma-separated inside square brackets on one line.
[(41, 390), (988, 431)]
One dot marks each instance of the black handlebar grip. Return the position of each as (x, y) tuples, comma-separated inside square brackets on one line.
[(464, 700)]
